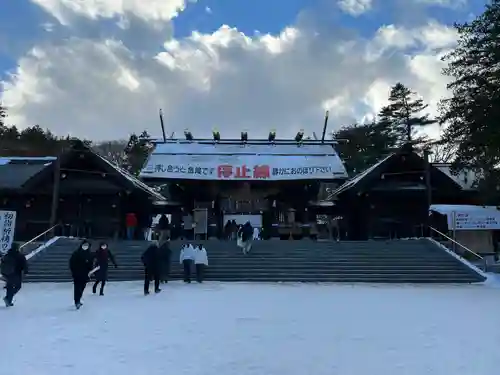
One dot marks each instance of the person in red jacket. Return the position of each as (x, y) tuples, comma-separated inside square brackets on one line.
[(131, 224)]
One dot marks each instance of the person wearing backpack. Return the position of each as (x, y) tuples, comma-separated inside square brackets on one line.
[(12, 268), (247, 237)]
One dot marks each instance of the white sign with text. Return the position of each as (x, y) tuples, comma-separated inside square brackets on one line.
[(244, 167), (475, 220), (7, 229)]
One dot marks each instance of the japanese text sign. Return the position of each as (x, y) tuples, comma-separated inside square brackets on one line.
[(7, 229)]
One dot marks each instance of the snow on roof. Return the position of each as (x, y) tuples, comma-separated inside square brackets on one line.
[(353, 181), (258, 148), (464, 178), (447, 209), (134, 180), (29, 160)]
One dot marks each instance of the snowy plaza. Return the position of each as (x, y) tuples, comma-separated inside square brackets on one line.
[(261, 329)]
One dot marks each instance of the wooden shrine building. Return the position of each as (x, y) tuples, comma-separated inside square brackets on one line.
[(391, 199), (270, 183), (81, 191)]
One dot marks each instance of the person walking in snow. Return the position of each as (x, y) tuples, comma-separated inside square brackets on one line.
[(246, 234), (12, 268), (186, 258), (102, 258), (151, 259), (166, 256), (200, 261), (80, 265), (131, 223), (163, 228)]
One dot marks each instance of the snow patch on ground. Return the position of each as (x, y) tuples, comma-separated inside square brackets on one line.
[(254, 329)]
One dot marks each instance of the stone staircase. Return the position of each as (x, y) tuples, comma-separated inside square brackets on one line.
[(404, 261)]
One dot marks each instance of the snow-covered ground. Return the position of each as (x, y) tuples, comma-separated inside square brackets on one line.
[(258, 329)]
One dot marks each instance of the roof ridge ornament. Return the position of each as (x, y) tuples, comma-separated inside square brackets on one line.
[(188, 135), (299, 138), (244, 137)]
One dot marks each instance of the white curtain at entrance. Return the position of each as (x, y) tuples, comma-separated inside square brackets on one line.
[(255, 220)]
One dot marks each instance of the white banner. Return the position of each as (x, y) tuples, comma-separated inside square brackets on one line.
[(244, 167), (7, 229)]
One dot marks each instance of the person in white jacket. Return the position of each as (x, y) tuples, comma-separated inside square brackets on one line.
[(200, 261), (186, 259)]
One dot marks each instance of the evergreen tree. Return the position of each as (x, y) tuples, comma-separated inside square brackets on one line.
[(361, 146), (442, 152), (472, 113), (137, 151), (3, 115), (404, 114), (114, 151)]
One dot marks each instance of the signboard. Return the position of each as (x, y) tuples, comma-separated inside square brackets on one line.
[(200, 217), (244, 167), (7, 229), (475, 220)]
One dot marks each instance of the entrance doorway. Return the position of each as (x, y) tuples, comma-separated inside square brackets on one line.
[(241, 219)]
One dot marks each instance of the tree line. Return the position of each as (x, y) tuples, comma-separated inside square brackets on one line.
[(35, 141), (364, 144), (469, 116)]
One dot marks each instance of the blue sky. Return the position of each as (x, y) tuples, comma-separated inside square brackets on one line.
[(294, 81), (21, 21)]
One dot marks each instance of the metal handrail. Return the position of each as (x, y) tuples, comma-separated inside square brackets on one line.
[(30, 241), (37, 237), (462, 246)]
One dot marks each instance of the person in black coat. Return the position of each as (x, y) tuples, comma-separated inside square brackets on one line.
[(151, 259), (80, 264), (166, 258), (163, 228), (102, 258), (13, 266)]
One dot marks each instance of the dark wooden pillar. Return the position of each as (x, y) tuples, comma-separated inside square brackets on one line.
[(55, 193)]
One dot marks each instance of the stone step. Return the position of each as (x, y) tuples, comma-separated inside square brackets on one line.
[(289, 264), (64, 259), (284, 263), (276, 269), (271, 275), (374, 278), (405, 261)]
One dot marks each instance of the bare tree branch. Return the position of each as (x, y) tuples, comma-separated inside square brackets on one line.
[(114, 151), (443, 153)]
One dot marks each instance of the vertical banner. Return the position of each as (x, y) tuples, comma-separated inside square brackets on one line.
[(7, 229)]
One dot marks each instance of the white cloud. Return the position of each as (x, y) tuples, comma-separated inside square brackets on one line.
[(355, 7), (104, 90), (147, 10), (444, 3)]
